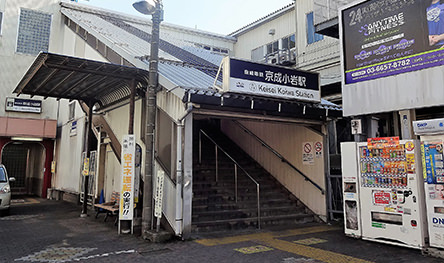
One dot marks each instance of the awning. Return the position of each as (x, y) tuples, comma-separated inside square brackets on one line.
[(94, 82)]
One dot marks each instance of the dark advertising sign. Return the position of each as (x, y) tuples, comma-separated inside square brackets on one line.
[(272, 81), (388, 37)]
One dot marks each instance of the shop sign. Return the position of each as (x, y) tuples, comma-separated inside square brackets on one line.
[(127, 184), (433, 126), (269, 80), (385, 38), (23, 105)]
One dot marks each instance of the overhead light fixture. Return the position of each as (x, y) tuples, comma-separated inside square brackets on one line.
[(26, 139), (147, 7)]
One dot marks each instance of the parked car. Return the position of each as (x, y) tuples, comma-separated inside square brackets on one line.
[(5, 190)]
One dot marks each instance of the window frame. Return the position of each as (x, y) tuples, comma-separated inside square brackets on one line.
[(71, 111), (1, 23), (18, 30), (312, 36)]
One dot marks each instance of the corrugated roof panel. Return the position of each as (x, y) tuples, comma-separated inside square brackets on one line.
[(130, 43), (185, 76)]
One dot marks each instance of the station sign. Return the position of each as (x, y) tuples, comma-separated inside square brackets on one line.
[(266, 80), (23, 105)]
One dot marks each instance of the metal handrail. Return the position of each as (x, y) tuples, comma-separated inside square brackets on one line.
[(282, 158), (236, 165)]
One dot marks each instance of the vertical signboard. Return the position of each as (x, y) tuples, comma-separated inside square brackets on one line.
[(159, 194), (383, 38), (127, 184), (269, 80)]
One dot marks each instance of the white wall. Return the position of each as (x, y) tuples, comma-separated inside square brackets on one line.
[(14, 65), (287, 139), (321, 56)]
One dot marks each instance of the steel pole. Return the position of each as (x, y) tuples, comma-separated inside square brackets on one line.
[(147, 212), (86, 146)]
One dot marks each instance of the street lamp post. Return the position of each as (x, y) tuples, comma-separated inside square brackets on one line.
[(153, 8)]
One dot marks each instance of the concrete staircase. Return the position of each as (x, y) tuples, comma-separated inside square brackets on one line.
[(214, 204)]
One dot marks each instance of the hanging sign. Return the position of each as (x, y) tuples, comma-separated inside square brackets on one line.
[(242, 76), (127, 184)]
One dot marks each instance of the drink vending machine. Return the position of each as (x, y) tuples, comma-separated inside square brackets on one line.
[(389, 192), (431, 134)]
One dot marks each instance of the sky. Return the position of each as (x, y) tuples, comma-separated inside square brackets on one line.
[(217, 16)]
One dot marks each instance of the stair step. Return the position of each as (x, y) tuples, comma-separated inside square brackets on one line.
[(238, 223), (214, 205)]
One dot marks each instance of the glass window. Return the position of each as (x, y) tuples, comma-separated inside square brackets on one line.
[(2, 175), (72, 111), (33, 32), (257, 54), (272, 47), (289, 42), (292, 41), (311, 35)]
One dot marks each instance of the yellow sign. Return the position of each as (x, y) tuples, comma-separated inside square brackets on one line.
[(53, 167), (85, 166)]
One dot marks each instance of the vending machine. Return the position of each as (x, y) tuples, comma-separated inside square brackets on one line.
[(431, 134), (390, 191)]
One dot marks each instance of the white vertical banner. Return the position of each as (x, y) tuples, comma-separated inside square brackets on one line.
[(159, 194), (126, 207)]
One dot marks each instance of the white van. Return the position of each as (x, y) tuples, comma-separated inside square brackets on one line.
[(5, 190)]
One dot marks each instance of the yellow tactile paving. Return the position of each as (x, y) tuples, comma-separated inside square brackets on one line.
[(25, 201), (310, 252), (244, 238), (272, 240)]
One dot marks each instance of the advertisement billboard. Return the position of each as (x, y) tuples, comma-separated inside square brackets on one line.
[(247, 77), (383, 38)]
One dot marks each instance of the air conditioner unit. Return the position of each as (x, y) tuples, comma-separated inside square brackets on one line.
[(272, 58), (287, 57)]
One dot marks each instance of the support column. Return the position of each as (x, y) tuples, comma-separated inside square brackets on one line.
[(188, 177), (88, 132)]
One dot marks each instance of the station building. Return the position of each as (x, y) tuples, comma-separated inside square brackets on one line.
[(83, 58)]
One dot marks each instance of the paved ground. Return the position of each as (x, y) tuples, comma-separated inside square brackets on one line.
[(40, 230)]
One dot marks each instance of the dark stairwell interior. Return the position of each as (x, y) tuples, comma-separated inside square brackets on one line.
[(214, 196)]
